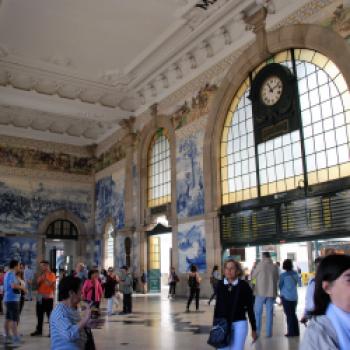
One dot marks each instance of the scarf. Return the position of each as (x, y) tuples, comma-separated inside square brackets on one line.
[(341, 322)]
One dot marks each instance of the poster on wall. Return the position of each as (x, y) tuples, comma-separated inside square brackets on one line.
[(189, 175), (18, 248), (192, 246), (24, 203), (109, 202)]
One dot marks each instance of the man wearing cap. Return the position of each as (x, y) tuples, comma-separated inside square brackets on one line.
[(126, 289), (46, 291)]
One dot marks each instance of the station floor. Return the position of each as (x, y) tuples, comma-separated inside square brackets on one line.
[(158, 323)]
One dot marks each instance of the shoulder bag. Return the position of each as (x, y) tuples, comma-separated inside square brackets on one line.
[(221, 332)]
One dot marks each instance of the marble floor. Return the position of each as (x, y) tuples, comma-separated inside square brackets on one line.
[(157, 323)]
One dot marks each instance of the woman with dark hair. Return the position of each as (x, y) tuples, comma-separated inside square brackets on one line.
[(92, 289), (234, 299), (67, 329), (214, 280), (330, 327), (289, 296), (194, 283), (173, 279)]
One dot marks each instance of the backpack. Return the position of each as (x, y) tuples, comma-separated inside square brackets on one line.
[(192, 282)]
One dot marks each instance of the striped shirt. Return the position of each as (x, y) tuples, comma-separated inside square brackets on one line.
[(65, 333)]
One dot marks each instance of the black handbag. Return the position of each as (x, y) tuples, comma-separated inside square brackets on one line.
[(221, 332)]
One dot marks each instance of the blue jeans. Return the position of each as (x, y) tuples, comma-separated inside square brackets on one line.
[(239, 331), (258, 309)]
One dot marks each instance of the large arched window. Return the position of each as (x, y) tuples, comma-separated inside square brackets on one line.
[(279, 164), (62, 229), (159, 170)]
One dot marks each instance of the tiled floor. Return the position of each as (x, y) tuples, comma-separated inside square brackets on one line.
[(157, 323)]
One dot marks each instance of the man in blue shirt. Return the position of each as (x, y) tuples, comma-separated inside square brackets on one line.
[(12, 294)]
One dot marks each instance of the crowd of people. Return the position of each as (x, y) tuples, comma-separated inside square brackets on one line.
[(327, 304)]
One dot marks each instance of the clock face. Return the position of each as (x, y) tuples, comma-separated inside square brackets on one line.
[(271, 90)]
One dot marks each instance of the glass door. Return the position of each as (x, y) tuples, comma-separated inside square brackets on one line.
[(154, 264)]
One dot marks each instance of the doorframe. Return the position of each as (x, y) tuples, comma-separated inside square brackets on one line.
[(158, 229)]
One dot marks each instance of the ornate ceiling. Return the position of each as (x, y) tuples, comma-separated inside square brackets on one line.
[(71, 70)]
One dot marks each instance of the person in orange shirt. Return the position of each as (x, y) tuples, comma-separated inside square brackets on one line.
[(46, 291)]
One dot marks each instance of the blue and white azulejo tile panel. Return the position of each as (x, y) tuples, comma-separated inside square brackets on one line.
[(189, 173), (192, 246), (19, 248), (109, 202), (25, 203)]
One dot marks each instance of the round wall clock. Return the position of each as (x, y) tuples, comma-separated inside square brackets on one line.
[(271, 90), (274, 101)]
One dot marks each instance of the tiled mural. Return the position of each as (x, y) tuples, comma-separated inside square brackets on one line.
[(25, 203), (135, 252), (120, 258), (93, 253), (189, 173), (191, 246), (109, 202), (113, 155), (35, 159), (19, 248), (97, 252)]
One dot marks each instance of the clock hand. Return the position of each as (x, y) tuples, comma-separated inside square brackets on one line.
[(275, 86), (268, 85)]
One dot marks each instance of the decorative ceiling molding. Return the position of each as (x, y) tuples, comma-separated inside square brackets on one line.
[(108, 94), (217, 71), (196, 50), (54, 123)]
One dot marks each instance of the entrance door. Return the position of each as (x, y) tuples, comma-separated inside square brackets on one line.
[(154, 264)]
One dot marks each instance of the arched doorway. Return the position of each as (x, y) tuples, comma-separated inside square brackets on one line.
[(159, 255), (60, 244)]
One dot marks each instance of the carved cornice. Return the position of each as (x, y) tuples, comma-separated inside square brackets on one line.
[(341, 21), (216, 73), (304, 13), (54, 123), (19, 75), (199, 106)]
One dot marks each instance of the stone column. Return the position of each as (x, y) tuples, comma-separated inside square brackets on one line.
[(129, 142)]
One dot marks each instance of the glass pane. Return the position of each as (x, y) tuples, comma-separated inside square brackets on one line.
[(159, 171)]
